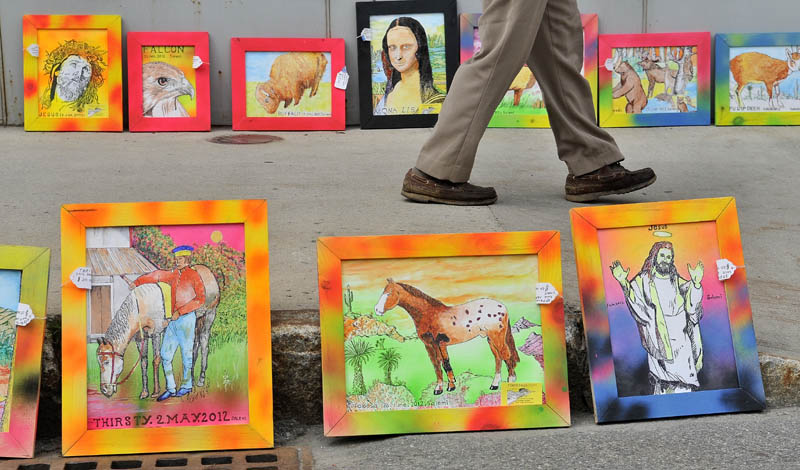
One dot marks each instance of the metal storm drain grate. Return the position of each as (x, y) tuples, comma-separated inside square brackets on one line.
[(281, 458), (244, 139)]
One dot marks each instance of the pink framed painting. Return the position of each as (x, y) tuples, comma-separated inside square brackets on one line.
[(287, 84), (168, 82)]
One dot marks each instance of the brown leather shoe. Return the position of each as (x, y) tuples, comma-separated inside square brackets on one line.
[(610, 179), (421, 187)]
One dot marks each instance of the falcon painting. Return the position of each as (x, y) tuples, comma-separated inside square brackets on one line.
[(162, 84)]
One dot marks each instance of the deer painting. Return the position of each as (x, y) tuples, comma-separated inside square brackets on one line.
[(756, 67)]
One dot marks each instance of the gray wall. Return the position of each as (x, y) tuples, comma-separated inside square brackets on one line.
[(318, 18)]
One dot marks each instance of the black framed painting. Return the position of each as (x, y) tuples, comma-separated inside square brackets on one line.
[(407, 56)]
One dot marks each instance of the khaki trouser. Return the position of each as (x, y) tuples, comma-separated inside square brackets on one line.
[(548, 36)]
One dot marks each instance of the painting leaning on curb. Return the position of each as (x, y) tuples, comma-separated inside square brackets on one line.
[(666, 335)]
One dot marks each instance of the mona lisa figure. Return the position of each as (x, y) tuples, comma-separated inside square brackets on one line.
[(407, 64)]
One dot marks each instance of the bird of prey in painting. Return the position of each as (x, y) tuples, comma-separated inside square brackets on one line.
[(162, 84)]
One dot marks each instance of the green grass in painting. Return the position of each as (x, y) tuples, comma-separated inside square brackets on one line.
[(317, 106), (226, 373), (415, 372)]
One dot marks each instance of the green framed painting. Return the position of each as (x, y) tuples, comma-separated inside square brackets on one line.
[(24, 274)]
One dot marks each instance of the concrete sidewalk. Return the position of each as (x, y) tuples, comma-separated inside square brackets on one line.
[(348, 183)]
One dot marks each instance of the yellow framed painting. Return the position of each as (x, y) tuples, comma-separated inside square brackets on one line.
[(72, 72), (165, 327), (24, 272), (442, 332)]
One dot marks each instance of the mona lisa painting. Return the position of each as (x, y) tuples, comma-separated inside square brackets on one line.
[(408, 53)]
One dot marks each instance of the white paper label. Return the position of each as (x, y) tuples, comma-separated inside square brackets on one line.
[(545, 293), (33, 50), (366, 34), (341, 79), (196, 62), (82, 278), (24, 315), (609, 64), (725, 269)]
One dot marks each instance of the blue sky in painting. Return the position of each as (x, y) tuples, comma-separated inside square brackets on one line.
[(10, 282)]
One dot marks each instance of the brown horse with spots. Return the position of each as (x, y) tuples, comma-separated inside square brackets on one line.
[(439, 326)]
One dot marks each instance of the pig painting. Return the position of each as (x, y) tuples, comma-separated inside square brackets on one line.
[(290, 76)]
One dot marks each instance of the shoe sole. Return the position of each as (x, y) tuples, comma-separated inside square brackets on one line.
[(453, 202), (588, 197)]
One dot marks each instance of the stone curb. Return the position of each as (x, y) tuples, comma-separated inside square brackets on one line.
[(297, 371)]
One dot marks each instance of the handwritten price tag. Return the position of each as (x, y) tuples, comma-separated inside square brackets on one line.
[(82, 278), (33, 50), (545, 293), (24, 315), (725, 269), (341, 79), (196, 62), (366, 34)]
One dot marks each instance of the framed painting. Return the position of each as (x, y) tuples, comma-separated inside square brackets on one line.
[(756, 79), (287, 84), (168, 82), (667, 334), (24, 274), (165, 327), (72, 66), (523, 104), (655, 79), (432, 333), (405, 45)]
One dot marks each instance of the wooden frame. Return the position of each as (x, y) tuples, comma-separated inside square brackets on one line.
[(424, 115), (257, 431), (334, 254), (246, 108), (728, 373), (98, 107), (725, 97), (170, 47), (537, 118), (23, 397), (691, 107)]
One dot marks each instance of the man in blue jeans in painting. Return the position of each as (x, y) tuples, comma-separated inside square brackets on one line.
[(188, 294)]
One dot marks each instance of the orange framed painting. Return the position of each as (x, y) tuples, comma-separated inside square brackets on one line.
[(24, 272), (666, 311), (432, 333), (72, 68), (165, 327)]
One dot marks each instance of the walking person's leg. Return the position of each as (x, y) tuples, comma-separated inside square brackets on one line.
[(508, 29), (590, 152)]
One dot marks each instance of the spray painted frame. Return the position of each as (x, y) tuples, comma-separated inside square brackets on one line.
[(34, 264), (338, 421), (258, 432), (137, 122), (722, 88), (109, 60), (609, 403)]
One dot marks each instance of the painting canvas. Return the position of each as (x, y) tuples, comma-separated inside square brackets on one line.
[(406, 60), (667, 336), (441, 334), (523, 104), (757, 79), (168, 81), (168, 340), (654, 79), (287, 83), (23, 284), (73, 74)]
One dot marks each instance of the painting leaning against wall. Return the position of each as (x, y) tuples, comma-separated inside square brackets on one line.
[(167, 329)]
